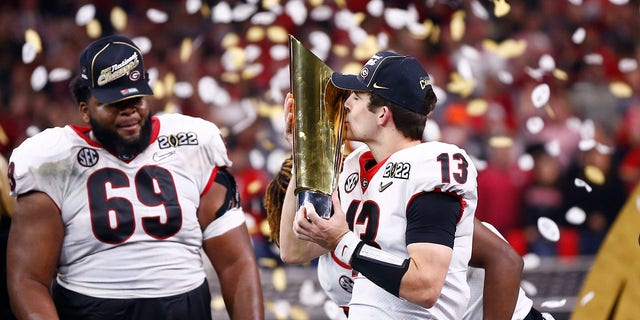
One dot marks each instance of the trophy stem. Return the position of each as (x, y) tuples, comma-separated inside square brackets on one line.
[(320, 201)]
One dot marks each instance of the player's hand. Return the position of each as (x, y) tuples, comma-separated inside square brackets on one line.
[(309, 226), (289, 106)]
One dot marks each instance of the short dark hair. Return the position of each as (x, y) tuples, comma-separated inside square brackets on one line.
[(411, 124), (79, 91)]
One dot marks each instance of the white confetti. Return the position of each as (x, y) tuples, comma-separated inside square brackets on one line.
[(32, 131), (321, 13), (547, 63), (593, 59), (505, 77), (548, 229), (281, 308), (375, 8), (587, 297), (192, 6), (627, 65), (279, 52), (553, 148), (157, 16), (578, 36), (431, 131), (221, 13), (529, 288), (183, 89), (604, 149), (638, 203), (535, 125), (309, 295), (576, 2), (531, 261), (85, 14), (264, 18), (619, 2), (582, 184), (553, 304), (526, 162), (242, 12), (59, 74), (29, 52), (39, 78), (396, 18), (143, 43), (479, 10), (540, 95), (547, 316), (587, 144), (575, 216)]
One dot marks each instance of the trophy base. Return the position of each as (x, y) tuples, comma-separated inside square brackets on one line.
[(320, 201)]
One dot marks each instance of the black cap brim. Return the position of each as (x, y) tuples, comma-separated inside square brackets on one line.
[(348, 82), (113, 95)]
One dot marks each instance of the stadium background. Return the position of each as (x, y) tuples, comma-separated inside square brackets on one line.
[(543, 94)]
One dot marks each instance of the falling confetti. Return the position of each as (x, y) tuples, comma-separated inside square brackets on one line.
[(575, 216), (582, 184), (587, 298), (118, 18), (85, 14), (548, 229), (540, 95), (594, 174), (39, 78), (553, 304), (501, 8)]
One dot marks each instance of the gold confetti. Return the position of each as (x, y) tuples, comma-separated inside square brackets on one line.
[(254, 186), (461, 86), (230, 77), (169, 82), (359, 17), (457, 25), (230, 40), (94, 30), (186, 48), (298, 313), (279, 279), (118, 18), (31, 36), (4, 139), (509, 48), (477, 107), (340, 50), (500, 142), (277, 34), (620, 89), (265, 229), (560, 74), (501, 8), (170, 107), (594, 174), (268, 262), (366, 49), (435, 34), (427, 28), (158, 90), (268, 4), (255, 34)]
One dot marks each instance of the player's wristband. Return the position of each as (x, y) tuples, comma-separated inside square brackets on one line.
[(345, 248), (382, 268)]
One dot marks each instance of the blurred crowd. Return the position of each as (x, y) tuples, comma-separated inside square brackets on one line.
[(544, 94)]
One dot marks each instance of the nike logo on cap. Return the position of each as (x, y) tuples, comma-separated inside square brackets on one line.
[(377, 86)]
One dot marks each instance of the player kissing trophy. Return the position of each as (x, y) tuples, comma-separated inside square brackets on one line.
[(317, 130)]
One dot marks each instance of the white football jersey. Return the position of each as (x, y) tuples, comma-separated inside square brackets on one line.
[(475, 278), (375, 202), (131, 228), (336, 279)]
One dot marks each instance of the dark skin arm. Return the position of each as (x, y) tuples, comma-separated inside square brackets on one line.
[(503, 272), (231, 255), (34, 245)]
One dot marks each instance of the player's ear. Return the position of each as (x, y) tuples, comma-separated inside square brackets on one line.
[(83, 107)]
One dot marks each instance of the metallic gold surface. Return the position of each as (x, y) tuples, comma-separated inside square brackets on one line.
[(318, 123)]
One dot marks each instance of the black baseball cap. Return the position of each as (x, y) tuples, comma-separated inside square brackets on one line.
[(397, 78), (113, 69)]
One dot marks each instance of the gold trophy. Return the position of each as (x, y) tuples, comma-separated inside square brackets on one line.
[(317, 130)]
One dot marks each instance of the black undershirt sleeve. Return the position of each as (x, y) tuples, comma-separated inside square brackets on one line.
[(232, 196), (432, 217)]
